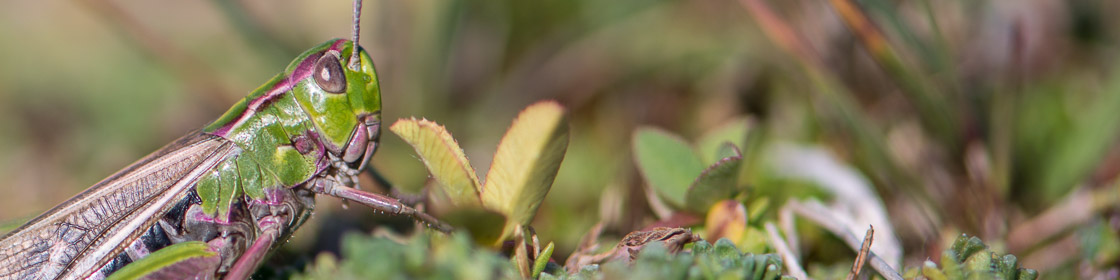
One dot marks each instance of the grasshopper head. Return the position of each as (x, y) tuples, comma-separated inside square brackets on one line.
[(342, 98)]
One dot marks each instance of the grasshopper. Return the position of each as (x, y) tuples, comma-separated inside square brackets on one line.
[(241, 184)]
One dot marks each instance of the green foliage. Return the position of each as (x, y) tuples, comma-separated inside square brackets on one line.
[(424, 257), (524, 167), (705, 261), (674, 170), (542, 261), (458, 183), (969, 258), (717, 182), (526, 162), (668, 164)]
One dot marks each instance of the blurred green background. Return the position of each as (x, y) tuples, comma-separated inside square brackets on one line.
[(977, 116)]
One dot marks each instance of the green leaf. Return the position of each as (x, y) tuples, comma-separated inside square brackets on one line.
[(542, 259), (716, 183), (726, 249), (964, 247), (526, 163), (178, 257), (668, 164), (443, 157), (734, 132)]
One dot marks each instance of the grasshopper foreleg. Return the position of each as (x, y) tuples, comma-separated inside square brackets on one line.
[(333, 187)]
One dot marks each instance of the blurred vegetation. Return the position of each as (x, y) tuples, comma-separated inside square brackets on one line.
[(991, 118), (423, 257), (969, 258), (703, 261)]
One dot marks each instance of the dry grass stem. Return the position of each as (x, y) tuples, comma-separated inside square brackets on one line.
[(792, 265)]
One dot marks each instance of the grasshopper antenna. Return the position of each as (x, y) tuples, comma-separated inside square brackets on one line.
[(355, 60)]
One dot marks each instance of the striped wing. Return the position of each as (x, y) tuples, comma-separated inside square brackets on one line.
[(80, 235)]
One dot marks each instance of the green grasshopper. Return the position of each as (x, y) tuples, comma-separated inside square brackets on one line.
[(241, 184)]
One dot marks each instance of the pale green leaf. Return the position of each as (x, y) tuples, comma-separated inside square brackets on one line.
[(445, 160), (526, 162), (667, 162)]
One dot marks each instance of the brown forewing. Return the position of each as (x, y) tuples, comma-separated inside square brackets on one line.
[(77, 237)]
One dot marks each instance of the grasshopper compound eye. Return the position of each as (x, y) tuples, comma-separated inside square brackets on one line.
[(328, 73)]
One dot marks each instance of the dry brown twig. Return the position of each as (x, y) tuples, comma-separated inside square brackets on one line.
[(861, 258)]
